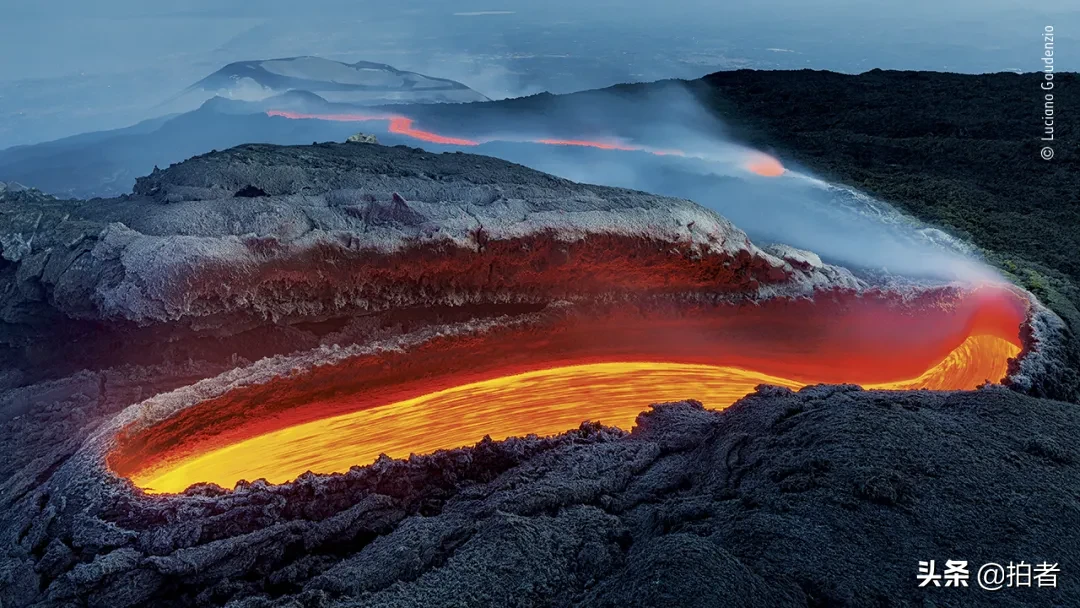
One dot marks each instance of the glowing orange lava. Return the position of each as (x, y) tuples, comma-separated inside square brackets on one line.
[(543, 402), (453, 391), (402, 125), (765, 165), (548, 376), (584, 143)]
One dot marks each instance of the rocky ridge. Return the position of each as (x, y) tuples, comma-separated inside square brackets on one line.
[(231, 261), (282, 236)]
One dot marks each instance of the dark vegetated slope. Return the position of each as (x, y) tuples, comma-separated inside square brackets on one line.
[(959, 151)]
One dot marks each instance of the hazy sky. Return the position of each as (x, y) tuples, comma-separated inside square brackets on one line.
[(73, 65), (62, 37)]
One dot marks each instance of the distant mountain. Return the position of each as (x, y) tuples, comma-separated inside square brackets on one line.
[(361, 83)]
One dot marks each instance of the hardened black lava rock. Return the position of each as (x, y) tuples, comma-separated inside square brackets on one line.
[(830, 496)]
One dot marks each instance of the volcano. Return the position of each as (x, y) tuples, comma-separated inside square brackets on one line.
[(484, 310), (363, 82), (289, 319)]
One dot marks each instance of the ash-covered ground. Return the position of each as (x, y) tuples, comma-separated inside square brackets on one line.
[(829, 496)]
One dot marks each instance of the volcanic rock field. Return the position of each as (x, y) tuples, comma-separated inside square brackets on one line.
[(262, 291)]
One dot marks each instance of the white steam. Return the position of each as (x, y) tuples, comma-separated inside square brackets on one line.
[(842, 225)]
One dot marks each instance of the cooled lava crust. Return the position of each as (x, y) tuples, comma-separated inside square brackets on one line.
[(263, 288)]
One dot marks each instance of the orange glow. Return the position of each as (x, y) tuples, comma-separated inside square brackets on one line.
[(400, 125), (584, 143), (542, 402), (552, 372), (403, 126), (765, 165), (978, 359), (761, 164)]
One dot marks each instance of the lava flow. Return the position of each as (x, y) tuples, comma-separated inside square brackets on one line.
[(759, 163), (765, 165), (547, 377), (401, 125), (542, 402)]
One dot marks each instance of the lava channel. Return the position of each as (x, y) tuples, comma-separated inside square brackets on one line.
[(549, 373), (755, 162)]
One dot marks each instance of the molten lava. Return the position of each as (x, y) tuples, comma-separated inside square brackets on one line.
[(542, 402), (401, 125), (585, 143), (640, 321), (547, 376), (765, 165)]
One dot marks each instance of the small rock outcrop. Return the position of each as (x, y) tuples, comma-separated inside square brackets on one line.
[(14, 192), (362, 138)]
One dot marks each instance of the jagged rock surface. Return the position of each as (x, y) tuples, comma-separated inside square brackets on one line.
[(786, 499), (251, 206), (271, 237)]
